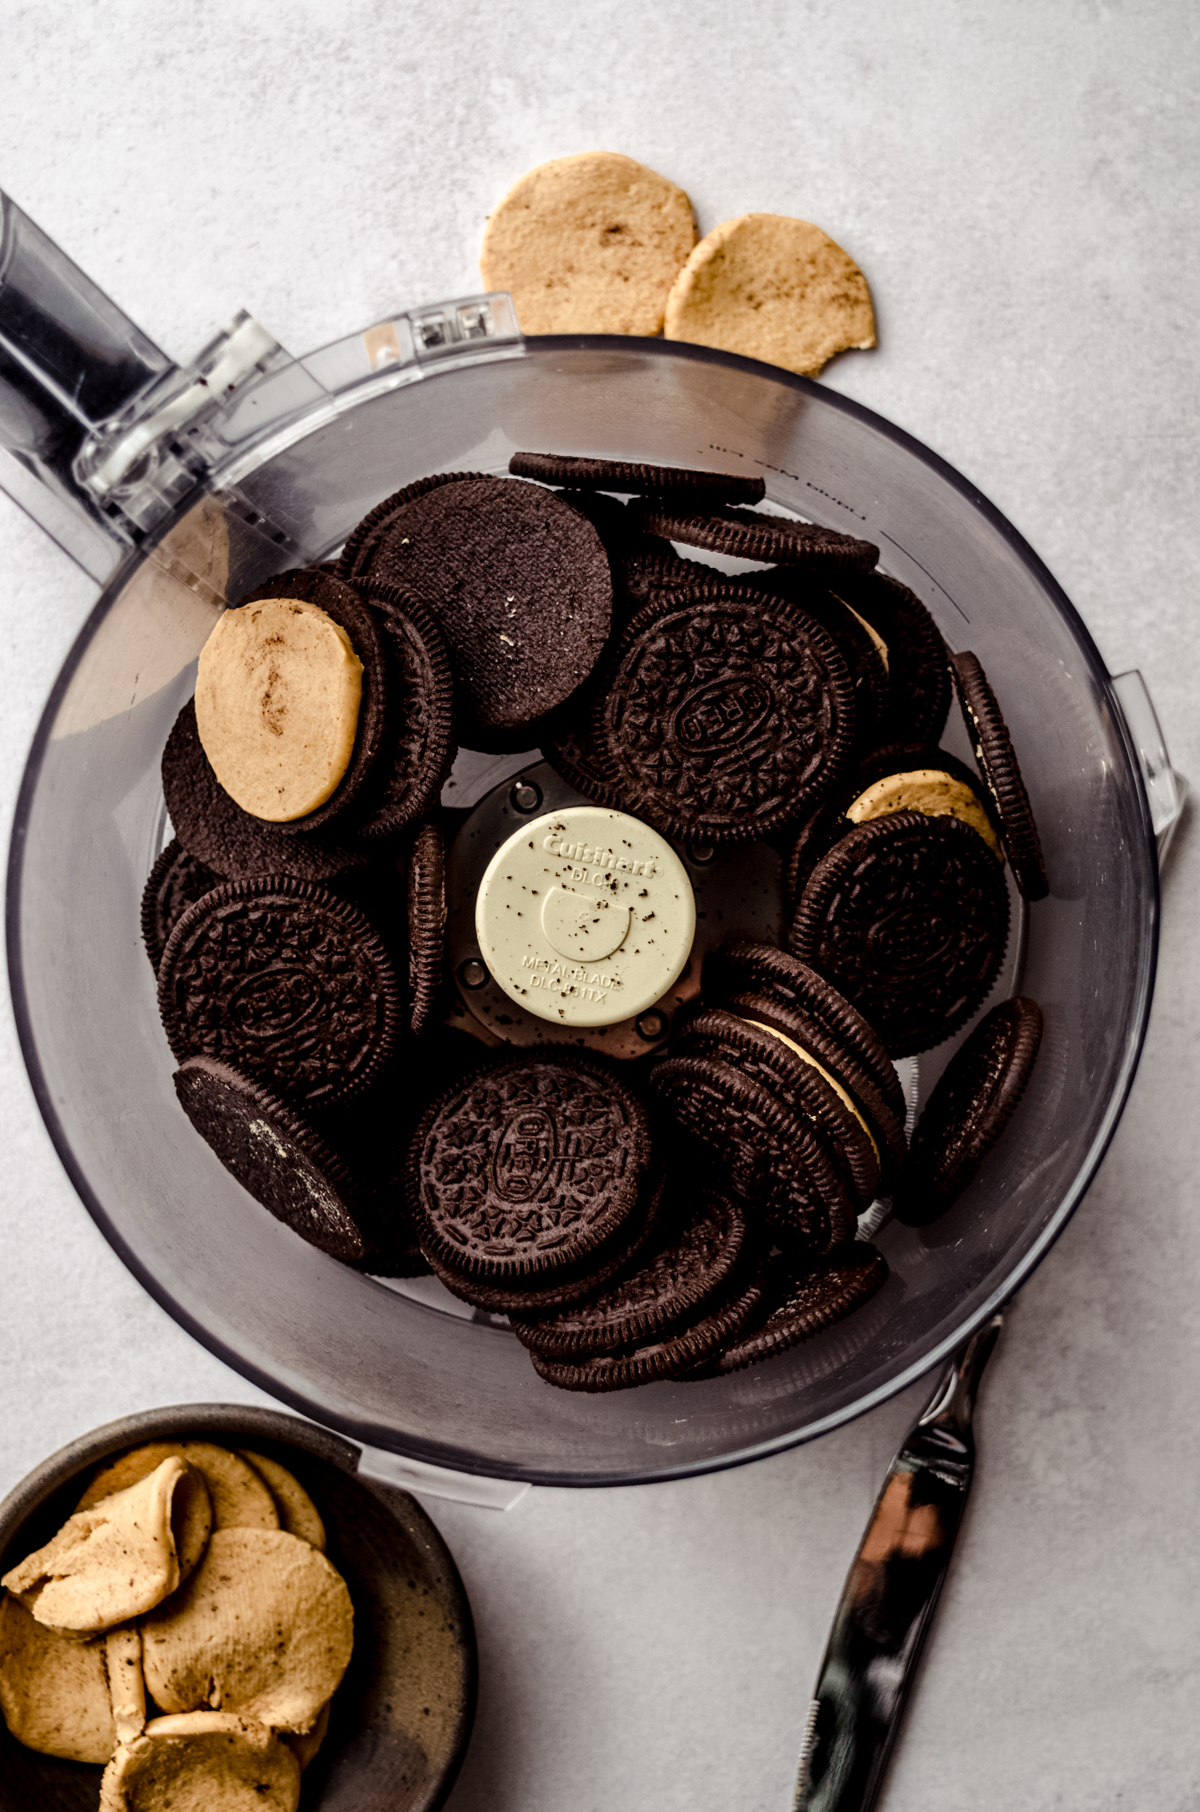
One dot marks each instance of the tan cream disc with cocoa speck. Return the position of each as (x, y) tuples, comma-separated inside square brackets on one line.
[(264, 1627), (775, 289), (203, 1761), (106, 1564), (240, 1499), (588, 244), (54, 1693), (277, 698), (297, 1512)]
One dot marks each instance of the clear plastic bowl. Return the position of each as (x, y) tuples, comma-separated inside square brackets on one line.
[(407, 1376)]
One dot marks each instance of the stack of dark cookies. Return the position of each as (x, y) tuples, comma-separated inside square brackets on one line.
[(672, 1218)]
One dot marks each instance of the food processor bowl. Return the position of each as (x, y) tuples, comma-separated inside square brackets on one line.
[(314, 445)]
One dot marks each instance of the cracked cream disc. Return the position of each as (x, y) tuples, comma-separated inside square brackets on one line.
[(585, 917)]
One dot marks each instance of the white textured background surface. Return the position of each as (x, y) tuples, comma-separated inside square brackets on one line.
[(1019, 183)]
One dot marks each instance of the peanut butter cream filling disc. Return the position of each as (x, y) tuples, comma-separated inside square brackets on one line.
[(277, 699)]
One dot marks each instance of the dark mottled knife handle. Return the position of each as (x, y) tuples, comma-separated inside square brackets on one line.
[(890, 1595)]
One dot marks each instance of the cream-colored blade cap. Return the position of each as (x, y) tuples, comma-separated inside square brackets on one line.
[(585, 917), (278, 691)]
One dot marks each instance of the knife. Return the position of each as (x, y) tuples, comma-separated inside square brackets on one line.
[(890, 1594)]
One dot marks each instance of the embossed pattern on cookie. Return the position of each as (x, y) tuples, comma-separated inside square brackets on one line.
[(533, 1165), (725, 715), (284, 982), (908, 917)]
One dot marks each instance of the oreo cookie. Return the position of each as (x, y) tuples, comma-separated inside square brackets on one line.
[(724, 714), (530, 1169), (339, 602), (861, 1083), (672, 1355), (972, 1103), (799, 1082), (743, 967), (918, 676), (782, 540), (766, 1152), (274, 1153), (519, 583), (908, 917), (997, 760), (533, 1299), (284, 982), (217, 832), (176, 882), (896, 777), (686, 1269), (795, 1307), (627, 475)]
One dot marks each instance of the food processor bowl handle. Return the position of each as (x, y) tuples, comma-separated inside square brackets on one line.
[(102, 436), (70, 359), (90, 406)]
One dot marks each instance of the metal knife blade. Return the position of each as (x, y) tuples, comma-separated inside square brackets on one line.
[(888, 1600)]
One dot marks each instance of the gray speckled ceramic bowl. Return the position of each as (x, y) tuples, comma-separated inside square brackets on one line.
[(402, 1716)]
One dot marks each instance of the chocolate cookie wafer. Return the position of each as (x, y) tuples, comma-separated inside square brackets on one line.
[(671, 1355), (766, 1152), (274, 1153), (724, 714), (908, 917), (683, 1272), (787, 1070), (426, 899), (918, 677), (998, 764), (529, 1169), (518, 581), (628, 476), (217, 832), (781, 540), (899, 777), (175, 882), (974, 1100), (285, 982), (794, 1308)]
